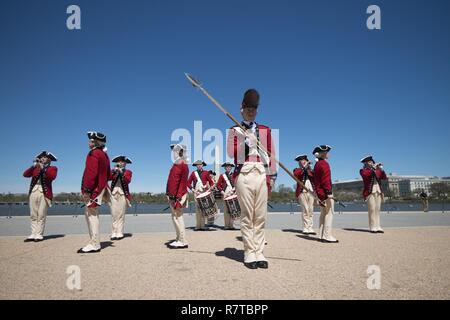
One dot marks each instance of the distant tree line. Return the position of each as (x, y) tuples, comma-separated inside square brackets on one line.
[(281, 194)]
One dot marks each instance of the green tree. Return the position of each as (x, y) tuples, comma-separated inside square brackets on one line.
[(440, 190)]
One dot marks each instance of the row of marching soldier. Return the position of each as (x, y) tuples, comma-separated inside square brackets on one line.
[(245, 191)]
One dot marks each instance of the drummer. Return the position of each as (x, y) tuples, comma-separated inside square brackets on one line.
[(200, 181), (225, 185)]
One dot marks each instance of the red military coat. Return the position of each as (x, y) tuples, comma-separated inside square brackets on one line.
[(322, 179), (222, 183), (204, 176), (48, 175), (96, 174), (369, 177), (177, 182), (237, 150), (300, 174), (124, 179)]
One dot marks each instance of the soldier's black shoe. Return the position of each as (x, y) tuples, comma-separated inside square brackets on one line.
[(380, 231), (251, 265), (262, 264)]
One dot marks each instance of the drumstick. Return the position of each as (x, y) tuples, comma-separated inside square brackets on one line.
[(198, 85)]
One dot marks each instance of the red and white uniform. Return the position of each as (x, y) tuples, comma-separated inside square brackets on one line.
[(307, 177), (177, 182), (252, 181), (176, 192), (305, 197), (324, 191), (241, 153), (122, 181), (95, 184), (373, 194), (322, 179), (120, 199), (40, 197), (205, 177), (200, 186), (45, 179), (371, 178), (225, 184), (95, 176)]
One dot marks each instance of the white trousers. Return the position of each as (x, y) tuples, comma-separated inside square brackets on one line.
[(38, 210), (200, 219), (178, 221), (326, 220), (119, 204), (306, 200), (251, 190), (93, 226), (374, 206), (228, 222)]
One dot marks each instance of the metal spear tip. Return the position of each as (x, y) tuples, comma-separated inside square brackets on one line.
[(193, 81)]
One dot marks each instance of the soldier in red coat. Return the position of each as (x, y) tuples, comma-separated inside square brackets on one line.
[(372, 174), (94, 187), (176, 192), (305, 195), (324, 191), (225, 185), (121, 196), (254, 171), (42, 174), (199, 182)]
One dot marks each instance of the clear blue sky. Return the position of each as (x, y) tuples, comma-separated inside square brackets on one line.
[(324, 78)]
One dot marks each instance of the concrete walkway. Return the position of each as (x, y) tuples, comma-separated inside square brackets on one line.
[(144, 223), (413, 256)]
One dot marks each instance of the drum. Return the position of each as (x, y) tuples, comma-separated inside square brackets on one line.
[(233, 207), (207, 204), (217, 193)]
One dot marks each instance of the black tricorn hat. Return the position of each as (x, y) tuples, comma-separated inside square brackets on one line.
[(321, 148), (196, 163), (367, 158), (301, 157), (122, 158), (227, 164), (47, 154), (251, 98), (96, 136)]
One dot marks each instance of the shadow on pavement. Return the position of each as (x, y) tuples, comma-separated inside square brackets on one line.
[(205, 230), (308, 238), (356, 230), (106, 244), (54, 236), (232, 253), (292, 230)]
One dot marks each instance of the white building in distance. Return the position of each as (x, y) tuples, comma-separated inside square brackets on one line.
[(396, 185)]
